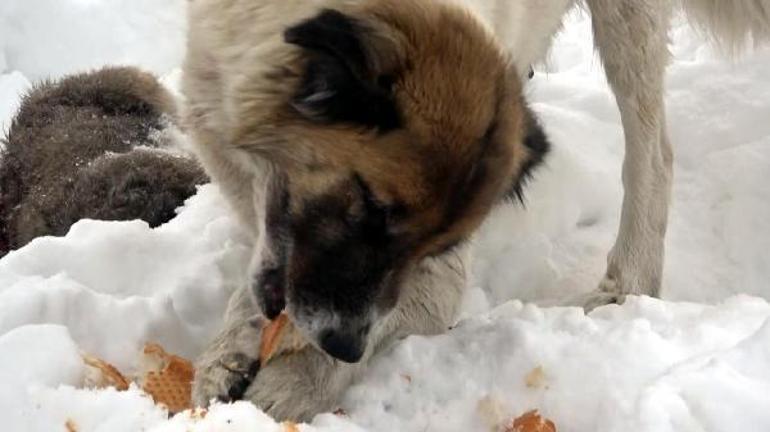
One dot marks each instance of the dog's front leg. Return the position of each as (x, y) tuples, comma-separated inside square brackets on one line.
[(631, 37), (300, 385), (230, 362), (292, 386)]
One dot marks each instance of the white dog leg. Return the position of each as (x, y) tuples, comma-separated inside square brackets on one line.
[(631, 37)]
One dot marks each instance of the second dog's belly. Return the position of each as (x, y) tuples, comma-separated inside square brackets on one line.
[(525, 27)]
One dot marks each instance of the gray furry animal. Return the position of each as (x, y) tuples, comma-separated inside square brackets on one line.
[(363, 141), (93, 145)]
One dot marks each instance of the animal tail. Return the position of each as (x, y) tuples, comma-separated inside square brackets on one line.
[(733, 24)]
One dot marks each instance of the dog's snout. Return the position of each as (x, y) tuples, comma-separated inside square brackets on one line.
[(346, 346)]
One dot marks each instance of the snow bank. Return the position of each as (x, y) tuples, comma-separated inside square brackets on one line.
[(108, 287), (117, 285), (646, 366)]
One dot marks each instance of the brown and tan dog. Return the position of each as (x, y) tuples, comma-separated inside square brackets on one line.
[(363, 143)]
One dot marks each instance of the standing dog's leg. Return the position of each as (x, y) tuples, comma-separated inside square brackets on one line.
[(632, 36)]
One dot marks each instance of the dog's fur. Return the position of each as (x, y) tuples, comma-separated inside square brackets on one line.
[(363, 142), (91, 146)]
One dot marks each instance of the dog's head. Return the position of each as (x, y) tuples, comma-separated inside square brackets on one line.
[(398, 126)]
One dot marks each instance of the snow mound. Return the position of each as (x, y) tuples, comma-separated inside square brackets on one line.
[(117, 285), (645, 366)]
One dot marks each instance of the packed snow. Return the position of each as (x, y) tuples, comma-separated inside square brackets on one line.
[(699, 360)]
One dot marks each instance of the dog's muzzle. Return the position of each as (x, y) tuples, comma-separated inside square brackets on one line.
[(347, 343)]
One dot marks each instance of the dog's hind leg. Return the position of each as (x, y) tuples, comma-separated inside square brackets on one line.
[(631, 37)]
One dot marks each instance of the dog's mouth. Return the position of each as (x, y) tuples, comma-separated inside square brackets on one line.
[(270, 293)]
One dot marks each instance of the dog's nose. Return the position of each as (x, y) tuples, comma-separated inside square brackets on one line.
[(342, 346)]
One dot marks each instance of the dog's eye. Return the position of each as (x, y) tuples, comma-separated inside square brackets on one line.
[(379, 215)]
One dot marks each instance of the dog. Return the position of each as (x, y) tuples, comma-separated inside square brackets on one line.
[(96, 145), (363, 142), (631, 37)]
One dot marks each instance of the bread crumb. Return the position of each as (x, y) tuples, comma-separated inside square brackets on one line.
[(531, 422), (71, 425), (536, 378), (490, 410), (100, 374), (279, 336)]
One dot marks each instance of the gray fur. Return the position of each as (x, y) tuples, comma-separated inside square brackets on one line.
[(91, 146)]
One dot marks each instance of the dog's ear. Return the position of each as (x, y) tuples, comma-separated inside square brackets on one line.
[(341, 82), (537, 145)]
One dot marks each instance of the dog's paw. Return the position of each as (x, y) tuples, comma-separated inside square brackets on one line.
[(228, 366), (598, 298), (225, 379), (608, 292), (299, 385), (588, 301)]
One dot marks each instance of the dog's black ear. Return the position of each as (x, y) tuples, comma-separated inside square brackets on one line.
[(537, 144), (341, 84)]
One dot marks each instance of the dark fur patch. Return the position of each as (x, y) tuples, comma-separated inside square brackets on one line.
[(71, 153), (270, 284), (538, 145), (339, 85), (347, 269)]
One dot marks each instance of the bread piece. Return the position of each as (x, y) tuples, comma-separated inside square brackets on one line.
[(278, 337), (100, 374), (531, 422), (290, 427), (167, 378)]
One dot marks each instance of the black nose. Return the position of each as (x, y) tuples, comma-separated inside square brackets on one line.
[(345, 347)]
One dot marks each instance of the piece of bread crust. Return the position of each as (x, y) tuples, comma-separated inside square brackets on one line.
[(279, 336), (167, 378), (100, 374), (531, 422)]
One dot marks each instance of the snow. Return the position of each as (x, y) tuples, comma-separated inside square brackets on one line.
[(115, 285), (49, 38), (654, 367), (697, 360), (12, 86)]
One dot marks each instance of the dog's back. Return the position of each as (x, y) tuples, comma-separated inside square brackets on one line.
[(87, 147)]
